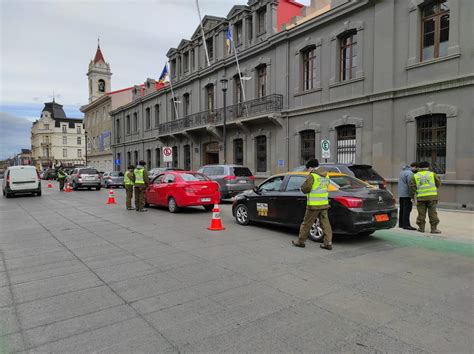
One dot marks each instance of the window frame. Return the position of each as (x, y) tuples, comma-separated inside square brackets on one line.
[(342, 47), (309, 68), (157, 115), (437, 27), (346, 144), (187, 157), (262, 79), (260, 160), (431, 142), (147, 118), (261, 21), (238, 155), (210, 47), (304, 137)]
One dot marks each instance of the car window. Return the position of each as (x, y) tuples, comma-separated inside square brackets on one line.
[(169, 178), (188, 177), (207, 171), (294, 183), (116, 174), (272, 185), (158, 179), (242, 172), (348, 182), (89, 171), (365, 173)]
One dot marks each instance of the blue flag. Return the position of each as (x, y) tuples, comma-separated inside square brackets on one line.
[(164, 77)]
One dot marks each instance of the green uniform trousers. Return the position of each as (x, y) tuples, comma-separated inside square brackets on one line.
[(61, 183), (309, 217), (423, 206), (140, 197), (129, 191)]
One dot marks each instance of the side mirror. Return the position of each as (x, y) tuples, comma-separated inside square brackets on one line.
[(256, 189)]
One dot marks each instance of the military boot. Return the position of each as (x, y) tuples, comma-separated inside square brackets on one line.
[(435, 231), (326, 247)]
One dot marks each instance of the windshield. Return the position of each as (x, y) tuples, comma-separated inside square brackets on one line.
[(242, 172), (347, 182), (88, 171), (116, 174), (189, 177)]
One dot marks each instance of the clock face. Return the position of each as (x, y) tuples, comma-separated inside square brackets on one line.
[(101, 86)]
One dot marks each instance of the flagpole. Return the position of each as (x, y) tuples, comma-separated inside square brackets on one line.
[(238, 70), (203, 36), (172, 94)]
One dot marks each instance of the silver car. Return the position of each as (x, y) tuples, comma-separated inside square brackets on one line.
[(85, 177), (112, 179), (232, 179)]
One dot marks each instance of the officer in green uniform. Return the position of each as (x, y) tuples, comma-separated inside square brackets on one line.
[(316, 188), (141, 182), (128, 181), (61, 178), (424, 186)]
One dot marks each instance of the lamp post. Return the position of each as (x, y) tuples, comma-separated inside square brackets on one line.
[(224, 82), (85, 137)]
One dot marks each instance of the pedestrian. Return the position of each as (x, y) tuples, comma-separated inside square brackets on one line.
[(129, 181), (316, 188), (141, 182), (404, 196), (61, 178), (424, 186)]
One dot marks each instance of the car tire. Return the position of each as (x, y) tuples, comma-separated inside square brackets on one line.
[(242, 214), (208, 207), (8, 195), (172, 205), (316, 233), (38, 194)]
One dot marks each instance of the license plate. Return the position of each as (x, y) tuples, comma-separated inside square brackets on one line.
[(205, 199), (381, 217), (242, 182)]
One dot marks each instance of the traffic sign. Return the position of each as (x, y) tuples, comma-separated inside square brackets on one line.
[(167, 154), (325, 149)]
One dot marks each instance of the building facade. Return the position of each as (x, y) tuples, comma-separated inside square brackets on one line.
[(23, 158), (56, 139), (386, 82)]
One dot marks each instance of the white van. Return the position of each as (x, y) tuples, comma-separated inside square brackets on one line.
[(20, 180)]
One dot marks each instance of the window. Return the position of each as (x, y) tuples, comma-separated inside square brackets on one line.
[(135, 122), (129, 159), (238, 96), (101, 85), (78, 129), (64, 152), (180, 66), (148, 118), (187, 157), (46, 126), (175, 157), (431, 141), (118, 161), (79, 153), (159, 179), (210, 47), (173, 67), (435, 30), (249, 29), (157, 115), (238, 33), (148, 158), (127, 120), (262, 81), (64, 127), (348, 56), (346, 143), (186, 103), (79, 140), (186, 62), (117, 130), (239, 151), (169, 178), (210, 97), (261, 149), (309, 69), (64, 140), (173, 108), (261, 23), (135, 157), (295, 183), (308, 142), (157, 157), (193, 59), (272, 185)]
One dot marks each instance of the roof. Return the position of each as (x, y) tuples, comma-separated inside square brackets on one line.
[(98, 55), (55, 109)]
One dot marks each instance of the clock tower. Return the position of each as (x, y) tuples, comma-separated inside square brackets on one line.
[(99, 76)]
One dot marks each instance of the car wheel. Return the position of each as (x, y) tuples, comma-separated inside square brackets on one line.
[(242, 214), (366, 233), (316, 233), (208, 207), (38, 194), (172, 206)]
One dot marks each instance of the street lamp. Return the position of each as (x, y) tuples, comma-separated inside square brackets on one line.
[(224, 82)]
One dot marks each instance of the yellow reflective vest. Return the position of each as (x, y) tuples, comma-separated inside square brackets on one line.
[(139, 176), (126, 179), (318, 195), (425, 184)]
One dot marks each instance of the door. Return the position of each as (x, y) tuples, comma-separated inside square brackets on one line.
[(166, 188), (264, 206), (154, 190), (292, 200), (211, 153)]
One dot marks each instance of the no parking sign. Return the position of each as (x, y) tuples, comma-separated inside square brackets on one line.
[(167, 154)]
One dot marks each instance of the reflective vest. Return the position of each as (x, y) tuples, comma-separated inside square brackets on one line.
[(61, 174), (126, 180), (139, 176), (425, 184), (319, 191)]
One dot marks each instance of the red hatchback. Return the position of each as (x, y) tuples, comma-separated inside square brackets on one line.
[(176, 189)]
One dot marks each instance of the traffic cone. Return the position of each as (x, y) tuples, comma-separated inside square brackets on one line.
[(50, 185), (111, 199), (216, 224), (68, 187)]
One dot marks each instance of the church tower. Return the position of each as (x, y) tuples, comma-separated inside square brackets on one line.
[(99, 75)]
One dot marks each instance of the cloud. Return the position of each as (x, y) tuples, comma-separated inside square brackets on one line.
[(14, 134)]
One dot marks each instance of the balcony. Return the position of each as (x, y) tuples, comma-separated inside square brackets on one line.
[(263, 107), (45, 144)]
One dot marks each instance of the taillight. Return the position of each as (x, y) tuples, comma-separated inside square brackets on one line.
[(8, 181), (384, 184), (251, 178), (228, 178), (349, 202)]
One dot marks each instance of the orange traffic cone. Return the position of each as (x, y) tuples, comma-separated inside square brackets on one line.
[(50, 185), (111, 199), (68, 187), (216, 224)]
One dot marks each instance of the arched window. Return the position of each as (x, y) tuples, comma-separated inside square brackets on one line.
[(346, 143), (101, 85), (308, 138), (431, 141)]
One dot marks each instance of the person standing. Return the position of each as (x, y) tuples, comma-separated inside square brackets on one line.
[(424, 186), (61, 178), (404, 196), (316, 188), (141, 182), (129, 181)]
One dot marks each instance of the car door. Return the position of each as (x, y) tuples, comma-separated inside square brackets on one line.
[(292, 200), (153, 190), (166, 187), (264, 206)]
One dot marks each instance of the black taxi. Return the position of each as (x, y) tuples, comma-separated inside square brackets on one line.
[(356, 207)]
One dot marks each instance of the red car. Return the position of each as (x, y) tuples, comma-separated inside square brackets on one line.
[(176, 189)]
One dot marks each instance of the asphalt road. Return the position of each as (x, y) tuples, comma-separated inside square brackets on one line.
[(77, 275)]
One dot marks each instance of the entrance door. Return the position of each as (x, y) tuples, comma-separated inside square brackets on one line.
[(211, 153)]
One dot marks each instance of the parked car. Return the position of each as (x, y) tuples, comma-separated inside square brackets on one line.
[(84, 177), (355, 207), (50, 173), (177, 189), (232, 179), (112, 179), (157, 170), (21, 180), (365, 173)]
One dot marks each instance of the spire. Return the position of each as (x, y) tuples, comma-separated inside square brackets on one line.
[(98, 54)]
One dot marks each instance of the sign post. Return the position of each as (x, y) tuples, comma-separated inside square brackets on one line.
[(167, 154), (325, 149)]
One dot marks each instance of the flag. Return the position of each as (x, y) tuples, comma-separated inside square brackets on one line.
[(165, 76), (228, 40)]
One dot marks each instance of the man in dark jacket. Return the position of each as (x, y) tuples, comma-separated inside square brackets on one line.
[(404, 196)]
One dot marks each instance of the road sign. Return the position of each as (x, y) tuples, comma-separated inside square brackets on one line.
[(281, 162), (167, 154), (117, 162), (325, 149)]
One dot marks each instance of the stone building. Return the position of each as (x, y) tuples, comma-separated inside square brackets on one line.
[(56, 139), (387, 82)]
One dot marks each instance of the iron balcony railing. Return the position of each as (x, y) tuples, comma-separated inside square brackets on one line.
[(260, 106)]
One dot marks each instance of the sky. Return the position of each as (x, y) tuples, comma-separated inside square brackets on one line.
[(46, 47)]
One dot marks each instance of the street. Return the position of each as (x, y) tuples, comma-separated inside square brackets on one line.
[(78, 275)]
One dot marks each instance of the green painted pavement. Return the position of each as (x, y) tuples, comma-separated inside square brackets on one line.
[(438, 245)]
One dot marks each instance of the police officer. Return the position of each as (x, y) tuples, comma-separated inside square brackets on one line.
[(424, 185), (316, 188), (61, 178), (129, 181), (141, 182)]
